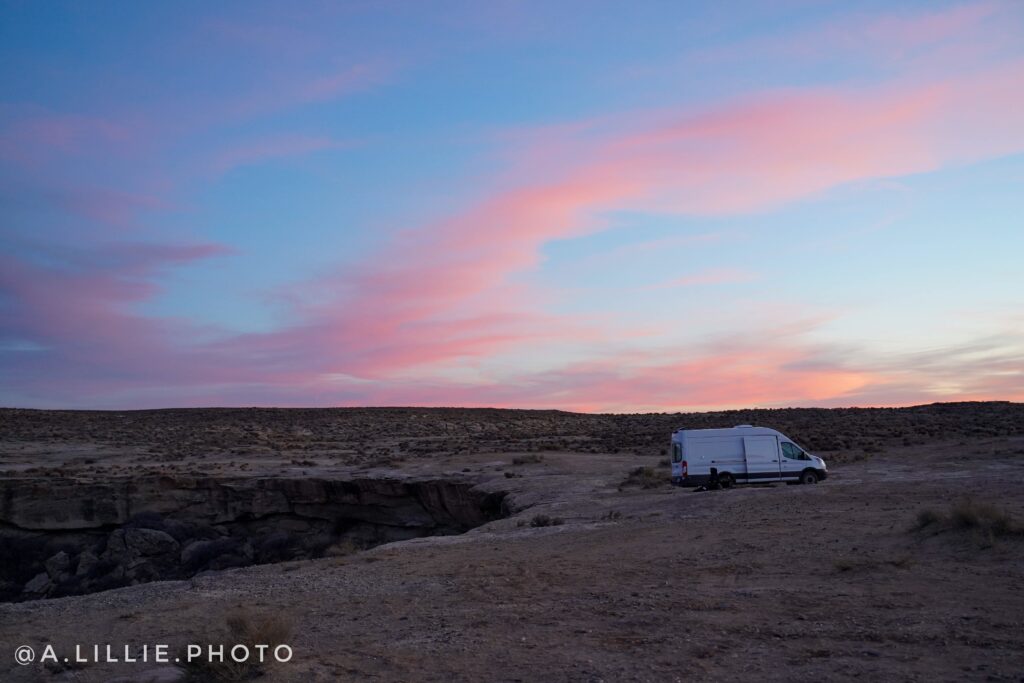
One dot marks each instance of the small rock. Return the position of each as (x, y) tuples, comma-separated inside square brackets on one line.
[(125, 545), (39, 584), (150, 542), (86, 561), (57, 565)]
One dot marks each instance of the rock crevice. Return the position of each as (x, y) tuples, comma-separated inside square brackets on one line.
[(66, 536)]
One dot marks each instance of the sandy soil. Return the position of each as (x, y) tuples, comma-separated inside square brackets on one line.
[(771, 582)]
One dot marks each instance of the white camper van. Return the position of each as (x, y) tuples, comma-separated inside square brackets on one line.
[(741, 455)]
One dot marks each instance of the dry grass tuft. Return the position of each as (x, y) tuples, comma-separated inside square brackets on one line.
[(646, 477), (848, 564), (989, 519), (246, 628), (925, 518), (541, 520), (987, 522)]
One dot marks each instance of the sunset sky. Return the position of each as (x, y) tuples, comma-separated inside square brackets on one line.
[(581, 205)]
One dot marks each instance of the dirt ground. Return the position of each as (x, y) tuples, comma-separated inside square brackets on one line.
[(771, 582)]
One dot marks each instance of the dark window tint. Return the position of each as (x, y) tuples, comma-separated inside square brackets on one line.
[(791, 451)]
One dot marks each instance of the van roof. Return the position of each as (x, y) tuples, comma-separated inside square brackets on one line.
[(727, 431)]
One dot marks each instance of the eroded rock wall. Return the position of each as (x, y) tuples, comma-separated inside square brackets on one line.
[(65, 536)]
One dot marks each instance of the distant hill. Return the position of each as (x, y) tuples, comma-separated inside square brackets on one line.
[(371, 433)]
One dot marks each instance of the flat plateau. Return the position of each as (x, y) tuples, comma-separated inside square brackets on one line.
[(771, 582)]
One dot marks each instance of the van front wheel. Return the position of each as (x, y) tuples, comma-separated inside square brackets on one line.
[(809, 477)]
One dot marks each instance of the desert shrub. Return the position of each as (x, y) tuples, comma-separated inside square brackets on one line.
[(531, 459), (545, 520), (846, 564), (317, 545), (276, 546), (645, 477), (204, 555), (968, 514), (986, 522), (342, 548), (241, 628), (926, 518)]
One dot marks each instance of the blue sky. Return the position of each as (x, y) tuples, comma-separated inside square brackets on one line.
[(576, 205)]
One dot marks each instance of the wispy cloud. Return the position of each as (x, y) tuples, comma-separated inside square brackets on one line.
[(441, 292), (270, 149), (343, 81), (391, 326), (33, 136), (708, 276)]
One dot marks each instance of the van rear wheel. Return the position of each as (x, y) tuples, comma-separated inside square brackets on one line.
[(809, 477), (725, 480)]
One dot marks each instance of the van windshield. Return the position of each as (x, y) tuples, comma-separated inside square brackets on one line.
[(793, 452)]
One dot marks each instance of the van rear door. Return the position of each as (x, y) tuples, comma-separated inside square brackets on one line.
[(677, 460), (762, 454)]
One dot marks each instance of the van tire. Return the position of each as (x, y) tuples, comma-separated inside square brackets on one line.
[(808, 477), (725, 480)]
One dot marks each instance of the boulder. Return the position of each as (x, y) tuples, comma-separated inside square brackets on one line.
[(86, 561), (57, 566), (126, 545), (199, 553), (150, 542), (39, 584)]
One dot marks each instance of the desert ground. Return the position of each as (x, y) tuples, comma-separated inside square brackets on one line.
[(907, 563)]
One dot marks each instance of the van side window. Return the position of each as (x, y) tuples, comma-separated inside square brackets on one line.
[(791, 451), (677, 452)]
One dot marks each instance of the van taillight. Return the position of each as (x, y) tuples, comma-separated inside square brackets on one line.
[(684, 468)]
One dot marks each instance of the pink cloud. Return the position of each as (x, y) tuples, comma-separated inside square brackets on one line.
[(933, 26), (343, 81), (746, 157), (34, 136), (765, 367), (113, 208), (272, 148), (386, 320), (442, 292), (955, 37), (709, 276), (76, 311), (445, 293), (295, 90)]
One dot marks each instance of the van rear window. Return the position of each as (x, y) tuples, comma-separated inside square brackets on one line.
[(677, 452)]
